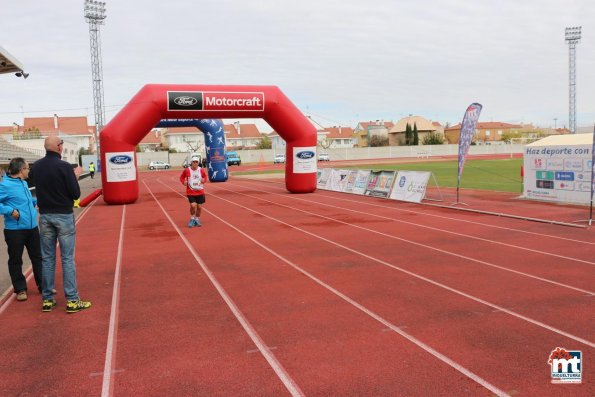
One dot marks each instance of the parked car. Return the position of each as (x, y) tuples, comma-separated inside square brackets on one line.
[(279, 159), (324, 157), (233, 158), (156, 165)]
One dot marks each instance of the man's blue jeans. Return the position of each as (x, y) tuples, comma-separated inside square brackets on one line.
[(58, 228)]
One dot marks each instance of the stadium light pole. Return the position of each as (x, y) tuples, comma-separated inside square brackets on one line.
[(95, 16), (573, 36)]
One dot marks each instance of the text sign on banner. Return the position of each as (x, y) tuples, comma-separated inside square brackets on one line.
[(410, 186)]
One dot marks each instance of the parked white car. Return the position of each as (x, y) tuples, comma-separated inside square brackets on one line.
[(156, 165), (279, 159), (324, 157)]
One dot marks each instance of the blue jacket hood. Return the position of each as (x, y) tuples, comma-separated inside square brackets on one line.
[(15, 194)]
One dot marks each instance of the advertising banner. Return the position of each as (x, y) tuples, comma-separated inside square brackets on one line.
[(323, 177), (338, 180), (361, 182), (410, 186), (467, 131), (380, 183), (561, 173), (350, 184)]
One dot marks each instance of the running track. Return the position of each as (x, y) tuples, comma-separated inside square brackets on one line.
[(323, 294)]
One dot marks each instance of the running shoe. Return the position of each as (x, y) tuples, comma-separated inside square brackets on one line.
[(191, 223), (48, 305), (77, 306), (197, 222)]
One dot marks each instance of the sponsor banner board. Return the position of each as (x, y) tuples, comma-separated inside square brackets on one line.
[(557, 173), (380, 183), (338, 180), (323, 177), (410, 186), (350, 184)]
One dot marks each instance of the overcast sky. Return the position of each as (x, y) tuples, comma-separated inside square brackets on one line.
[(340, 61)]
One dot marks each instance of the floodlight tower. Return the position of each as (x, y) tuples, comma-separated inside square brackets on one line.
[(573, 35), (95, 16)]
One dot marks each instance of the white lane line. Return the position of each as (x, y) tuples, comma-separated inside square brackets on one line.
[(443, 230), (107, 388), (363, 202), (368, 312), (456, 291), (589, 293), (29, 272), (283, 375)]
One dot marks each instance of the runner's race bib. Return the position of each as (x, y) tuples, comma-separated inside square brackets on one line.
[(195, 180)]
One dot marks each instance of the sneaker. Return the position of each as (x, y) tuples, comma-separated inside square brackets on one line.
[(191, 223), (48, 305), (197, 222), (77, 306), (22, 296)]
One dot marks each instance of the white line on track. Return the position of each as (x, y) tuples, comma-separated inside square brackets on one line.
[(453, 364), (418, 276), (590, 293), (29, 272), (107, 387), (424, 213), (289, 383)]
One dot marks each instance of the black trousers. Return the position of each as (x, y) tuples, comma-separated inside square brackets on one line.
[(17, 240)]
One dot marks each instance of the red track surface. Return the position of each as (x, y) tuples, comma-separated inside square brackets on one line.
[(323, 294)]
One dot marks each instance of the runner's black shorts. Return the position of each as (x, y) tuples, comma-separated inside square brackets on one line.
[(199, 199)]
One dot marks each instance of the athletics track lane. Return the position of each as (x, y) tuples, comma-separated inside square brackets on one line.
[(326, 345), (60, 354), (436, 235), (542, 334), (348, 354), (175, 334)]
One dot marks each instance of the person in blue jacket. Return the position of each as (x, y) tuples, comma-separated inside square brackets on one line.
[(20, 225)]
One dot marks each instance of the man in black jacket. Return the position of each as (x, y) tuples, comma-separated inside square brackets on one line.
[(57, 187)]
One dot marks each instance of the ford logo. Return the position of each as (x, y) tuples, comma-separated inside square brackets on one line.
[(402, 181), (185, 101), (305, 155), (120, 159)]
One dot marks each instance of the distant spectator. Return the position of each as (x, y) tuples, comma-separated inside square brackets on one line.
[(92, 169)]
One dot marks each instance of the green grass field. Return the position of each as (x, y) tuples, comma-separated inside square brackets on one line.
[(499, 175)]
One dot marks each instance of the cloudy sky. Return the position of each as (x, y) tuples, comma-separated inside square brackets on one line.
[(340, 61)]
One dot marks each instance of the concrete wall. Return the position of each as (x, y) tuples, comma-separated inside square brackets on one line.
[(267, 155)]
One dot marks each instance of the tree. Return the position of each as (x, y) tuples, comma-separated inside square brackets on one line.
[(376, 141), (415, 135), (508, 135), (433, 139), (265, 143), (408, 134), (83, 151)]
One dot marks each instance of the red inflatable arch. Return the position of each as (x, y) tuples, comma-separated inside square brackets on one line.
[(155, 102)]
